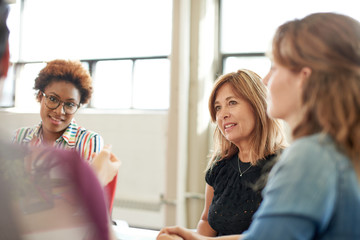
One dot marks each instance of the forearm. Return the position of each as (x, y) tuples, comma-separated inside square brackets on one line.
[(186, 234), (230, 237)]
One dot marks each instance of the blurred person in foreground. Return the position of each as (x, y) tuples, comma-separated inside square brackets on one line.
[(313, 191), (47, 193)]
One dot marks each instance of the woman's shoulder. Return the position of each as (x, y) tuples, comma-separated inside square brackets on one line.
[(307, 171), (83, 138), (90, 133), (317, 151), (27, 128), (23, 133), (220, 165), (314, 146), (22, 130), (81, 132)]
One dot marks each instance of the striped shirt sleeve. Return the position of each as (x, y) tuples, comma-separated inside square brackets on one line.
[(88, 143), (22, 133)]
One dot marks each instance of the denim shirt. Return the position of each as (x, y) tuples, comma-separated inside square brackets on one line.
[(312, 193)]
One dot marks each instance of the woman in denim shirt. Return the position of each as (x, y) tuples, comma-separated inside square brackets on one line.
[(313, 192)]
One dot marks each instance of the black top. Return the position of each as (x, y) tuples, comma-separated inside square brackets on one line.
[(235, 200)]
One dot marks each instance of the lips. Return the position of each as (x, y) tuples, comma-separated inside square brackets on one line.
[(55, 120), (229, 125)]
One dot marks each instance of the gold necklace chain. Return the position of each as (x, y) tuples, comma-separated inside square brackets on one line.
[(241, 173)]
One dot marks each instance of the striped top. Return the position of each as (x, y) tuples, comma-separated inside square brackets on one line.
[(75, 137)]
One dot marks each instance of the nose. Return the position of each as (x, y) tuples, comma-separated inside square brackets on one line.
[(60, 109), (223, 113), (266, 78)]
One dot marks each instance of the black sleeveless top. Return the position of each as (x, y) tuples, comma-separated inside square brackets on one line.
[(235, 200)]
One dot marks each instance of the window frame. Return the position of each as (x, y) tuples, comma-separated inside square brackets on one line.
[(18, 65)]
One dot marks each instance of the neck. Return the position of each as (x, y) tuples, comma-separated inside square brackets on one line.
[(294, 119), (50, 138), (244, 154)]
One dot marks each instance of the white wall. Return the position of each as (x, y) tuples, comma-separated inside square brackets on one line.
[(139, 140)]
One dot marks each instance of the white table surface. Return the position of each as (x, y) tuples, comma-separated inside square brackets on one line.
[(124, 232)]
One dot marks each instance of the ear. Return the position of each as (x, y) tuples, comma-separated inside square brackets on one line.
[(304, 75), (4, 62), (39, 96)]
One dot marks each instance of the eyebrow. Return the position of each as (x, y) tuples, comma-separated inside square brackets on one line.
[(228, 98), (69, 99)]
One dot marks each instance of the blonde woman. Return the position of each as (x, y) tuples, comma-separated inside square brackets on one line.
[(245, 140), (313, 191)]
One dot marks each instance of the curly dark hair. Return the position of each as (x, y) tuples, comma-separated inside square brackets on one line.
[(68, 71)]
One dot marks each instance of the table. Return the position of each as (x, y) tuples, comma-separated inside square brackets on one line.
[(124, 232)]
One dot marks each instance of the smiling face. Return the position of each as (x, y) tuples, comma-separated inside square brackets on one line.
[(234, 116), (54, 122)]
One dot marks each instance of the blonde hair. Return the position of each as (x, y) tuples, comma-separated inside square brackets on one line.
[(329, 44), (268, 135)]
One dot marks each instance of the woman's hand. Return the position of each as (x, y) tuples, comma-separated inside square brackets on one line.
[(175, 233), (179, 233), (168, 237), (105, 165)]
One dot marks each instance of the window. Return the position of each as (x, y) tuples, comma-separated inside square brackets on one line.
[(116, 39), (247, 27)]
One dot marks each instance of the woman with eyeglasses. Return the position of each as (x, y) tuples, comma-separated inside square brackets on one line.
[(63, 86)]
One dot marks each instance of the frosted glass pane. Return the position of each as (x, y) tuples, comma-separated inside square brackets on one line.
[(25, 94), (112, 81), (152, 84), (85, 29), (248, 26), (260, 65)]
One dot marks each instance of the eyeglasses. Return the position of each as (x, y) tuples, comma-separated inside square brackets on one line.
[(53, 102)]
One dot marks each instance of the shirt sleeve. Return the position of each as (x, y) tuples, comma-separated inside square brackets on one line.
[(213, 172), (299, 197), (21, 133), (16, 136), (90, 143), (208, 177)]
